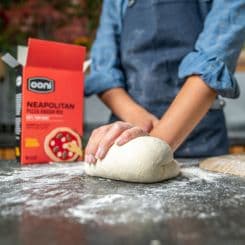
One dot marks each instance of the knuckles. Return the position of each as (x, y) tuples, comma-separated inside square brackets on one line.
[(127, 131), (119, 126), (127, 135), (99, 131), (133, 133)]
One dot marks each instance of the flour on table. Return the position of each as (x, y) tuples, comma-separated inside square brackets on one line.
[(144, 159)]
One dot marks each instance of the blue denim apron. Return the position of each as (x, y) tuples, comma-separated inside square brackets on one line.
[(156, 35)]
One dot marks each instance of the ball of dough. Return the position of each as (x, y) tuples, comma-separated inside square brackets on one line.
[(144, 159)]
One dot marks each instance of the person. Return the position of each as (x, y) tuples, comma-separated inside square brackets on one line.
[(161, 67)]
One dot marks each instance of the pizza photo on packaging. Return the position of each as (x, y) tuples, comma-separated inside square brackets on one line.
[(63, 145)]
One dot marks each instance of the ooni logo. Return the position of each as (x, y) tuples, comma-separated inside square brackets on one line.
[(41, 85)]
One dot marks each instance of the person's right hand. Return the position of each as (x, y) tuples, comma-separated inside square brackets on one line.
[(105, 136)]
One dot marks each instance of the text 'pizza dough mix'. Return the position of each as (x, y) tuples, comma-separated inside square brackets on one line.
[(49, 103)]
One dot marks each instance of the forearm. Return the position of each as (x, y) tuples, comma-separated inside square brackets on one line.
[(217, 48), (187, 109), (119, 102)]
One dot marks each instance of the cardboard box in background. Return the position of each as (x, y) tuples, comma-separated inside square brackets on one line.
[(52, 102)]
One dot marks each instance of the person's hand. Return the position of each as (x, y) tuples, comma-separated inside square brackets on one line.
[(142, 118), (125, 108), (104, 137)]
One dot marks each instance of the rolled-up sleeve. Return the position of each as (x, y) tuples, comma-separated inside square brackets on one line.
[(217, 48), (105, 68)]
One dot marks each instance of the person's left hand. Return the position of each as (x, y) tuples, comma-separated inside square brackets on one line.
[(104, 137)]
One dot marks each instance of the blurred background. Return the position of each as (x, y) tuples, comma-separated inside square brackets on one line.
[(74, 21), (69, 21)]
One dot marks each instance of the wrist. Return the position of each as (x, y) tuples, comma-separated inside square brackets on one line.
[(166, 136)]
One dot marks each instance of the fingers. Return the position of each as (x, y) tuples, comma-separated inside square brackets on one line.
[(109, 138), (130, 134), (102, 139), (93, 143)]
